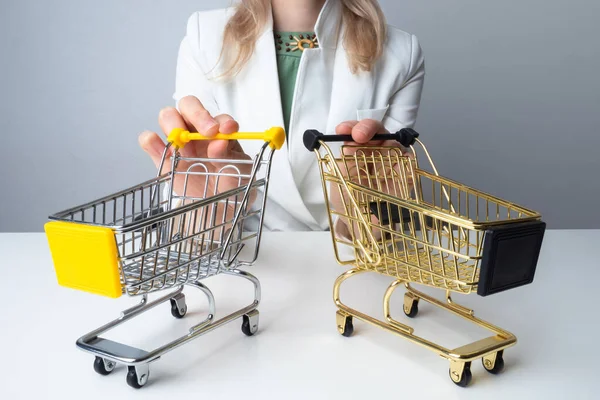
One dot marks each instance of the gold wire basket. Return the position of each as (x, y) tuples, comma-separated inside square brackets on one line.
[(419, 227)]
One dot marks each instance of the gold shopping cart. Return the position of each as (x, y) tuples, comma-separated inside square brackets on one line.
[(163, 234), (418, 227)]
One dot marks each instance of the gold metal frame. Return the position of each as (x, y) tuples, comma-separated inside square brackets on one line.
[(437, 240)]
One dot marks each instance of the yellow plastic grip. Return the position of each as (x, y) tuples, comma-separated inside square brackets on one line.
[(275, 136)]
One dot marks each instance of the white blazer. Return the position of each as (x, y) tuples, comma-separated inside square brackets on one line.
[(326, 94)]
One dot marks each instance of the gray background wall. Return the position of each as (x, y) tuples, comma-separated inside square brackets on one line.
[(511, 103)]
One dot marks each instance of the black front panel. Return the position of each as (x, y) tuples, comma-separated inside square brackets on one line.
[(510, 256), (389, 213)]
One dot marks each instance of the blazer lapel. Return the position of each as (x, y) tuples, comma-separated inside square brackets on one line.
[(254, 99), (257, 104), (311, 107)]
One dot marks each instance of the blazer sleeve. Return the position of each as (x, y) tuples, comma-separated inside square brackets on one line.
[(404, 103), (191, 78)]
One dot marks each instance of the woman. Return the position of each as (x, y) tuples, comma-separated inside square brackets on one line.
[(330, 65)]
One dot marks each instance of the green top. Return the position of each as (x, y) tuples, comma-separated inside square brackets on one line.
[(288, 49)]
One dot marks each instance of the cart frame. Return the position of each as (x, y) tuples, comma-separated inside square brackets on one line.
[(418, 221), (162, 246)]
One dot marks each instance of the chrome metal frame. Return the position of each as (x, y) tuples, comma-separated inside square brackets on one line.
[(119, 353), (167, 240)]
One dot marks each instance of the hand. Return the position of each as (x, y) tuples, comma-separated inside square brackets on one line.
[(360, 172), (195, 118)]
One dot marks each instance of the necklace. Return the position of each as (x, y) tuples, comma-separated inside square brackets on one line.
[(296, 42)]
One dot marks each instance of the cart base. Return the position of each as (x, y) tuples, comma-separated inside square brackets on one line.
[(109, 353), (490, 350)]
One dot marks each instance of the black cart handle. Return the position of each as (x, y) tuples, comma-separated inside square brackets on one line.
[(406, 137)]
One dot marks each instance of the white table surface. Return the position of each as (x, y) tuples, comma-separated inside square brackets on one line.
[(297, 353)]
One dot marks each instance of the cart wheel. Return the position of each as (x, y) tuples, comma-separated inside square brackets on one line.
[(348, 327), (137, 377), (498, 364), (466, 377), (411, 305), (413, 310), (178, 307), (250, 323), (103, 367), (344, 323)]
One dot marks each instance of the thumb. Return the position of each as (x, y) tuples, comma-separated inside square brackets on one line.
[(153, 145)]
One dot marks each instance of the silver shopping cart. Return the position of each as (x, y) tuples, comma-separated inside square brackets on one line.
[(169, 232)]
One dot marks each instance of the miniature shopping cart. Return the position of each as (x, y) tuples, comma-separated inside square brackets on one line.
[(419, 227), (175, 230)]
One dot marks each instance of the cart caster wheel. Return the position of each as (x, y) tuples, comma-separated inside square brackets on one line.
[(413, 310), (348, 327), (176, 311), (494, 366), (411, 305), (466, 377), (250, 323), (102, 366), (137, 377), (344, 324), (178, 306)]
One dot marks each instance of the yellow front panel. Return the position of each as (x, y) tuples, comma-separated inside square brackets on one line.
[(85, 257)]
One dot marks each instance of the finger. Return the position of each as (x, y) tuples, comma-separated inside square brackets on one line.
[(152, 144), (227, 124), (197, 117), (365, 129), (169, 119), (345, 128), (394, 143), (224, 148)]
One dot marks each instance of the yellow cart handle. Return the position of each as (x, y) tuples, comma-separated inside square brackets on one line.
[(275, 137)]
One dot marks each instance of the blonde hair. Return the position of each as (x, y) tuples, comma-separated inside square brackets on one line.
[(364, 34)]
